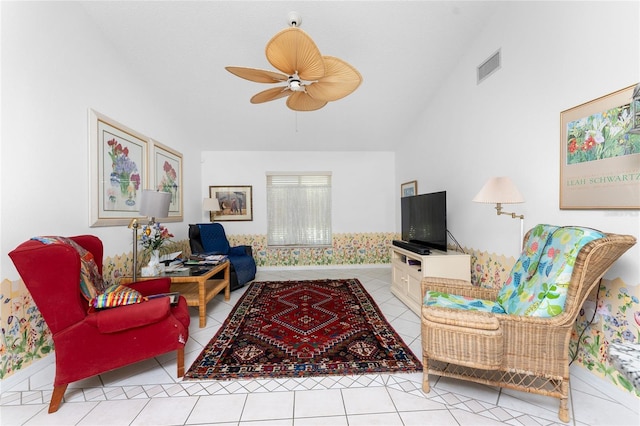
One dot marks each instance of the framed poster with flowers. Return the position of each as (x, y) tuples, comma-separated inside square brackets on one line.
[(118, 166), (599, 158), (167, 177)]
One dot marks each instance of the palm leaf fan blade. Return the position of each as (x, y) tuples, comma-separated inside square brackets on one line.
[(270, 95), (340, 80), (257, 75), (293, 51), (300, 101)]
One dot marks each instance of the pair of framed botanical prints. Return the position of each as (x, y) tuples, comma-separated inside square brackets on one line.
[(123, 162)]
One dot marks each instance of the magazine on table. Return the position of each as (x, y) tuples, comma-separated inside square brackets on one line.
[(173, 296), (213, 259)]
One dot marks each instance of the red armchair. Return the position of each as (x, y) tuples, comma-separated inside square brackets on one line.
[(90, 343)]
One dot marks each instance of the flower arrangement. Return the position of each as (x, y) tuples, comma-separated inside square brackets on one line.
[(154, 236)]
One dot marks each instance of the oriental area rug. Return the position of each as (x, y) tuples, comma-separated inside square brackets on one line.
[(301, 329)]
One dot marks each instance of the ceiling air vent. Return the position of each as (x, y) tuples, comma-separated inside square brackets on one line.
[(488, 67)]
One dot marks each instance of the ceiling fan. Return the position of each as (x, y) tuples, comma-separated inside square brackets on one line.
[(311, 80)]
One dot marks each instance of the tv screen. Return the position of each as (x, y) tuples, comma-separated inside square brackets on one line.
[(424, 220)]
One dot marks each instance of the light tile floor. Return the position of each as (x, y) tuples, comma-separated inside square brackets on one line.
[(148, 393)]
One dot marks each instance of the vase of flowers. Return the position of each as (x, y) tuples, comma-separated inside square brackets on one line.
[(155, 257), (153, 238)]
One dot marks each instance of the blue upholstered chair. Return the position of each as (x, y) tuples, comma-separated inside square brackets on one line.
[(210, 238)]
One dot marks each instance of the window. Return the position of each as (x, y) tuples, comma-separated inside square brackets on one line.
[(299, 209)]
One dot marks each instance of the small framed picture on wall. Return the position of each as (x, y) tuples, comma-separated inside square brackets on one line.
[(409, 189)]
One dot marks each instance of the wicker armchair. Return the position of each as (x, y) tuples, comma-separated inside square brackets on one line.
[(523, 352)]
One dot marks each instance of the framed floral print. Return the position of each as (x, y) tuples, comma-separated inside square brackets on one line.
[(599, 158), (236, 203), (167, 176), (119, 171)]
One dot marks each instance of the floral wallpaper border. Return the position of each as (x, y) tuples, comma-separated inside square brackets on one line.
[(616, 311)]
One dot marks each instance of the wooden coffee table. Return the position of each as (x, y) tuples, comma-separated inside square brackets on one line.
[(196, 285)]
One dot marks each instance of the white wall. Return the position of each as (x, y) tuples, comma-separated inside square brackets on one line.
[(555, 55), (361, 183), (55, 66)]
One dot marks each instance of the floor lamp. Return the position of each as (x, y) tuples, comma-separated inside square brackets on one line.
[(499, 191), (153, 204), (211, 205)]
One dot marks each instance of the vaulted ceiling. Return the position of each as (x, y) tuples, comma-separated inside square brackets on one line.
[(403, 49)]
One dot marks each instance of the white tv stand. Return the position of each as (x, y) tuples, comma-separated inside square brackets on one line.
[(408, 269)]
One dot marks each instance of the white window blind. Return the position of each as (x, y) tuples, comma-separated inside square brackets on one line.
[(299, 209)]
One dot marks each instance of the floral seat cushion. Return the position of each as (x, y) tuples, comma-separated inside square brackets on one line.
[(446, 300), (538, 282)]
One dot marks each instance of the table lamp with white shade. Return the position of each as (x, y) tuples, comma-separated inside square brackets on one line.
[(211, 205), (153, 204)]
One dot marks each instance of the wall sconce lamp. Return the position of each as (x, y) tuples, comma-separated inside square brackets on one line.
[(211, 205), (153, 204), (635, 111), (499, 191)]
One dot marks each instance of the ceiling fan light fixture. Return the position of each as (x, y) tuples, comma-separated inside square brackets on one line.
[(295, 85)]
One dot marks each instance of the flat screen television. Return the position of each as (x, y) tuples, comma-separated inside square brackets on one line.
[(424, 220)]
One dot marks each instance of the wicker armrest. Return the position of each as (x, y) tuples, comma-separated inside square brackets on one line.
[(473, 320), (459, 287), (481, 332)]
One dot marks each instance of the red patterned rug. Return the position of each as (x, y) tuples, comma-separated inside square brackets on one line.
[(303, 328)]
